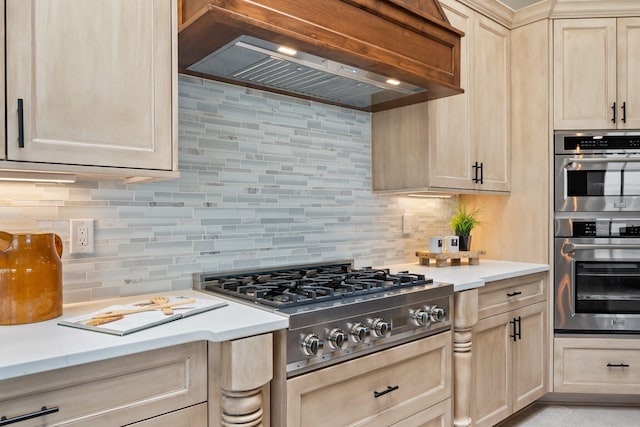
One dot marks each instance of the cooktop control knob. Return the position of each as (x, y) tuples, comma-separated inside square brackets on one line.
[(421, 316), (360, 333), (311, 345), (338, 339), (379, 328), (437, 314)]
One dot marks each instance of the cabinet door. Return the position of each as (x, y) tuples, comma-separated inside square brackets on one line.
[(530, 355), (96, 78), (474, 127), (628, 72), (491, 370), (490, 103), (450, 145), (584, 79), (3, 126)]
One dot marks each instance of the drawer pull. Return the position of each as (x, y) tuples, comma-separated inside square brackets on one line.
[(513, 294), (617, 365), (43, 411), (389, 389)]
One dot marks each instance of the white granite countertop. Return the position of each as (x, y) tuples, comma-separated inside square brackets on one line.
[(43, 346), (465, 277)]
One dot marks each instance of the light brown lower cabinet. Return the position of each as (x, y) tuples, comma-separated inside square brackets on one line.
[(500, 349), (113, 392), (597, 365), (407, 385), (196, 384)]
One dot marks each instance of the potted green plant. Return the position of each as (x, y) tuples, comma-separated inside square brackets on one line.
[(462, 222)]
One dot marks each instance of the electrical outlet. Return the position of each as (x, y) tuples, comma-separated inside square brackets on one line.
[(408, 223), (81, 236)]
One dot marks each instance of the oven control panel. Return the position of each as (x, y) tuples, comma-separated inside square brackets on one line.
[(595, 142), (604, 228)]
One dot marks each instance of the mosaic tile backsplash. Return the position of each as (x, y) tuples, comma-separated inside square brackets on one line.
[(266, 180)]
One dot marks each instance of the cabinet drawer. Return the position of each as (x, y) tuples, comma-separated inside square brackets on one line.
[(112, 392), (508, 294), (437, 416), (416, 375), (597, 365), (193, 416)]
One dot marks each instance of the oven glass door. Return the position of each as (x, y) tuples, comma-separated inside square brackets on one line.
[(597, 284), (598, 183), (607, 287)]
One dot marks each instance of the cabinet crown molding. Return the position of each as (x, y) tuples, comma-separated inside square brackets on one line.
[(594, 8), (549, 9)]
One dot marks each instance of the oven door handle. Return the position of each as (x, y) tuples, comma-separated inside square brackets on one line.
[(571, 160), (569, 248)]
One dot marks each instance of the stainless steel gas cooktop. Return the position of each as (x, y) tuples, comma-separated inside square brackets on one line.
[(337, 312)]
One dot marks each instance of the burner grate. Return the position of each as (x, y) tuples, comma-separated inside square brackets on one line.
[(292, 287)]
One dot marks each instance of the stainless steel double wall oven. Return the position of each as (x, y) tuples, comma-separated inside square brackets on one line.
[(597, 232)]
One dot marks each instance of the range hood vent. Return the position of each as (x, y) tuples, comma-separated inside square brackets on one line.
[(258, 63), (344, 52)]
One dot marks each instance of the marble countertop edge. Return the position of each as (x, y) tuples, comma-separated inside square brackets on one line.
[(44, 346)]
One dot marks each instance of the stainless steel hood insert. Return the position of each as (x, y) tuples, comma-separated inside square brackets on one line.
[(346, 49), (258, 62)]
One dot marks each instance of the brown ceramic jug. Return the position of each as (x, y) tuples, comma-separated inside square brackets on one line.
[(30, 277)]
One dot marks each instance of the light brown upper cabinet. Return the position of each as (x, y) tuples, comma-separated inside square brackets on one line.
[(458, 144), (596, 65), (3, 127), (92, 83)]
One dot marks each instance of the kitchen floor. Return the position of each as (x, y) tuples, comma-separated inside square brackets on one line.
[(546, 415)]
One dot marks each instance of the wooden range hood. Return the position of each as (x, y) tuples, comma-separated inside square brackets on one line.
[(407, 40)]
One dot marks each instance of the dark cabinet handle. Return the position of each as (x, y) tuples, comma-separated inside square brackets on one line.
[(513, 294), (624, 112), (477, 167), (517, 328), (618, 365), (389, 389), (43, 411), (613, 108), (20, 124)]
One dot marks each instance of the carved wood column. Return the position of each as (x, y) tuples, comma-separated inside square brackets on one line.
[(465, 316), (242, 408), (240, 371)]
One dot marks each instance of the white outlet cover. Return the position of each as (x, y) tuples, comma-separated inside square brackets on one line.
[(408, 223), (81, 243)]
